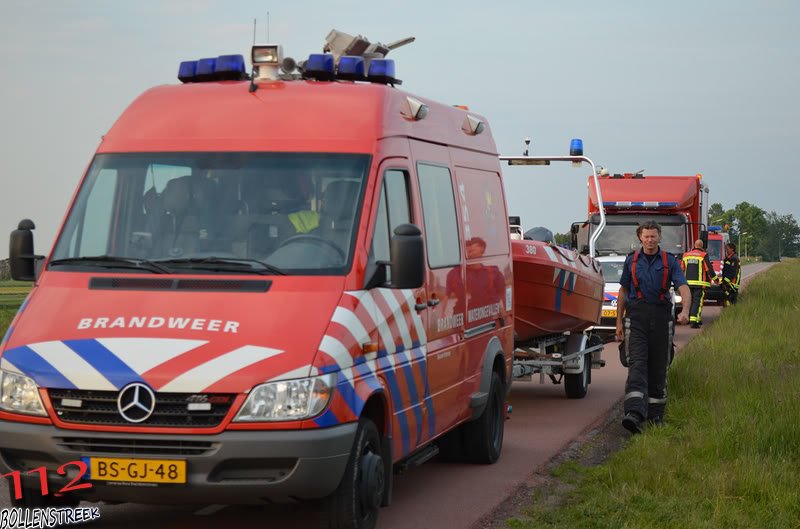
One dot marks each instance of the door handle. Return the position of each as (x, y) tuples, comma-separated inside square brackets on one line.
[(433, 302), (420, 306)]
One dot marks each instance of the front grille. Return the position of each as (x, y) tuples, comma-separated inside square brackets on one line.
[(135, 447), (171, 410)]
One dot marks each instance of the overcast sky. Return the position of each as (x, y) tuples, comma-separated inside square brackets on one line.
[(682, 87)]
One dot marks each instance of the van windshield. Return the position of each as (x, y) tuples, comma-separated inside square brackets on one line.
[(216, 212)]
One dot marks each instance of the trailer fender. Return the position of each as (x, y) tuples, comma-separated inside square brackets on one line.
[(493, 352)]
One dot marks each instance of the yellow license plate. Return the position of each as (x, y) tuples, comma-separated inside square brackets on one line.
[(609, 313), (137, 470)]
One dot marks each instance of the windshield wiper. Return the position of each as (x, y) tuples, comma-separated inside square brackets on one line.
[(227, 264), (112, 261)]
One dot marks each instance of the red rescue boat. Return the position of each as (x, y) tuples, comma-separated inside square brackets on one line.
[(555, 290)]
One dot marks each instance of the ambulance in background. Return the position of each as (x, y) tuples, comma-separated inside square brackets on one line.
[(268, 288)]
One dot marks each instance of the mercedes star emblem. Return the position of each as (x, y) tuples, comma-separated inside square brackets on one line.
[(136, 402)]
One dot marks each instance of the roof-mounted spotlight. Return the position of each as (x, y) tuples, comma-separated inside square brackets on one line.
[(472, 125), (267, 60), (319, 66), (414, 109)]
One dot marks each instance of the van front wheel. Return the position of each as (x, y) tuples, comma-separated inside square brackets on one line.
[(355, 503)]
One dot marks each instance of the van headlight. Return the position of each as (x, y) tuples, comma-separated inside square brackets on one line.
[(288, 400), (19, 394)]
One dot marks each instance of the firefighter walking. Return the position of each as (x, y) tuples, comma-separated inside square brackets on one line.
[(731, 275), (645, 325), (699, 274)]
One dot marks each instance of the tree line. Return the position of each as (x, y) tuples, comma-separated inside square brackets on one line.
[(757, 233)]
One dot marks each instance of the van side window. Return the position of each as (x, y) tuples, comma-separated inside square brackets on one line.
[(439, 210), (393, 210)]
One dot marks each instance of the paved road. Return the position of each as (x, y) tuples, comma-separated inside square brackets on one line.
[(439, 495)]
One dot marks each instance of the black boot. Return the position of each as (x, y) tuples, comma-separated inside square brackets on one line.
[(633, 422)]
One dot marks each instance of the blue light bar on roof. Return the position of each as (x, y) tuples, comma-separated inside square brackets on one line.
[(230, 67), (382, 71), (643, 204), (187, 71), (222, 68), (319, 66), (715, 228), (351, 68), (205, 69)]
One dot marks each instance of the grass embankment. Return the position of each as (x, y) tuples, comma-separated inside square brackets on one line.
[(730, 454), (12, 293)]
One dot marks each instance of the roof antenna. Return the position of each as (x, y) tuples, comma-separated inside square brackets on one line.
[(253, 85), (267, 27)]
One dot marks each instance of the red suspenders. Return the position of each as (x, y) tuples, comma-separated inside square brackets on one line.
[(663, 281)]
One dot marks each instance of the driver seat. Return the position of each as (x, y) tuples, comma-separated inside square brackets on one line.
[(338, 211)]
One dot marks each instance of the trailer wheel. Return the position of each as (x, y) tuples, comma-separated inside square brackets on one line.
[(483, 437), (355, 503), (576, 385)]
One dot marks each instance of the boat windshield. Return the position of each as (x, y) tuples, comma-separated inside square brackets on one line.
[(293, 213)]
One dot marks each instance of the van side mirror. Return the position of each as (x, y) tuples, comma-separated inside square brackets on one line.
[(704, 238), (21, 258), (408, 257)]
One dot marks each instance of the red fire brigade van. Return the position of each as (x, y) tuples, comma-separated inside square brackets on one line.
[(279, 287)]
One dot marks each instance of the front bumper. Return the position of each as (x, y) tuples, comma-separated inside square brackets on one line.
[(234, 467), (714, 293)]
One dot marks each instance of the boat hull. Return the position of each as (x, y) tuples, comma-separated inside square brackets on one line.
[(555, 290)]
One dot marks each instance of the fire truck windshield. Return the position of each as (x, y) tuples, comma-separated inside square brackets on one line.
[(205, 212), (714, 249), (619, 235)]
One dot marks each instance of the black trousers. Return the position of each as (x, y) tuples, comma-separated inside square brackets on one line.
[(696, 308), (649, 328), (729, 293)]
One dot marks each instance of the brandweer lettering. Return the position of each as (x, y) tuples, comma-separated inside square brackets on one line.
[(158, 322)]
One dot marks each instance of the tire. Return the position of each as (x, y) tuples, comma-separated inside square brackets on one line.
[(483, 437), (357, 499), (577, 385), (451, 446)]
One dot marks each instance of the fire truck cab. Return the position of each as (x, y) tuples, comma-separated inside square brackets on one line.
[(273, 287)]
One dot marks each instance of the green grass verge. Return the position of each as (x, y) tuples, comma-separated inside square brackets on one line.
[(12, 294), (730, 454)]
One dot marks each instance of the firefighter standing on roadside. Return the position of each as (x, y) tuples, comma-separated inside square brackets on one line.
[(699, 274), (645, 323), (731, 274)]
